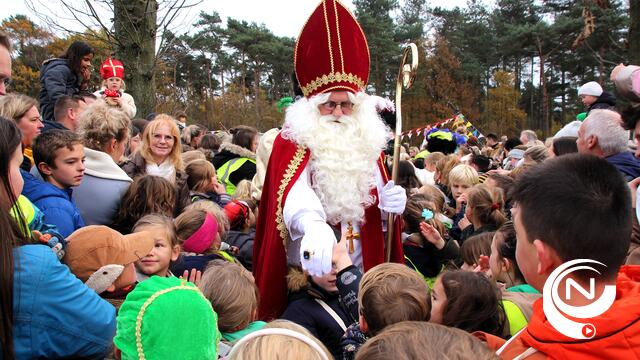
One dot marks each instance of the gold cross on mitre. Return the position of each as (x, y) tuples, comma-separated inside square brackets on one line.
[(351, 236), (113, 66)]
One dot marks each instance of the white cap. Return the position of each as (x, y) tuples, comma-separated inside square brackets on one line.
[(591, 88), (571, 129)]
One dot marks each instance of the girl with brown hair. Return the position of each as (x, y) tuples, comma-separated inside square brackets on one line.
[(146, 195), (484, 211)]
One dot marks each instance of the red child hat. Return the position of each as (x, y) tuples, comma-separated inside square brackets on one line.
[(112, 68), (331, 52)]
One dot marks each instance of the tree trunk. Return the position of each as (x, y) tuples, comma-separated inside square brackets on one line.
[(634, 32), (135, 26)]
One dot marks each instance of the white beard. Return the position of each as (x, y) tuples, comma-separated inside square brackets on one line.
[(343, 153)]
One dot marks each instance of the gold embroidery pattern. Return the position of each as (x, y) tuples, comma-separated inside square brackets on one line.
[(326, 21), (146, 304), (286, 179), (331, 78)]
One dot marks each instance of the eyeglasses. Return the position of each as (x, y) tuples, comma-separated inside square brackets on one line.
[(331, 105)]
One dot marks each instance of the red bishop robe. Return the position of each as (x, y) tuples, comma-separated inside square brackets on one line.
[(286, 163)]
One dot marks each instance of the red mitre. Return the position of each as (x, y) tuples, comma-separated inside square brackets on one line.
[(332, 52), (112, 68)]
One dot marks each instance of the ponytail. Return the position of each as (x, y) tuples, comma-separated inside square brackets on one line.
[(487, 205)]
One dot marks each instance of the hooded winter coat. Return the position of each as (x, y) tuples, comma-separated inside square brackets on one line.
[(57, 204), (617, 337), (626, 163), (56, 79)]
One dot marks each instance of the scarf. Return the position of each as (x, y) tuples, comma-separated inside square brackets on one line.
[(165, 170)]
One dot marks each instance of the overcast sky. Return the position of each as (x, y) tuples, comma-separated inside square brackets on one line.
[(282, 17)]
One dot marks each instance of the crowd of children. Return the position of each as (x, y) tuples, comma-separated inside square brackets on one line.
[(134, 239)]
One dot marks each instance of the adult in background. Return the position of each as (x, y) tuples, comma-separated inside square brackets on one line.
[(67, 75), (601, 134), (191, 137), (24, 111), (5, 62), (593, 97), (105, 134), (237, 160), (160, 155), (66, 113)]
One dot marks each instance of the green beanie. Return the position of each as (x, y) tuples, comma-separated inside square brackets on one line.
[(167, 318), (581, 116)]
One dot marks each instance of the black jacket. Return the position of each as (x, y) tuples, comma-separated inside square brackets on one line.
[(427, 259), (229, 152), (56, 79), (244, 243), (304, 310), (606, 101)]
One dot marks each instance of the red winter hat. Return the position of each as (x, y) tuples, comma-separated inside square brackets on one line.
[(237, 212), (331, 52), (112, 68)]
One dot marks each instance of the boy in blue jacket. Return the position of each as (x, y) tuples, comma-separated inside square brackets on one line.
[(59, 158)]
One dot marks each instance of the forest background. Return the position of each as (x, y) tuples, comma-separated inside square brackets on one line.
[(511, 65)]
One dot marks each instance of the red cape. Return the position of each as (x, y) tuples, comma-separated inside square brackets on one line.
[(269, 250)]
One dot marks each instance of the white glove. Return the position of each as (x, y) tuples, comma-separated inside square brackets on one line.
[(316, 248), (393, 198)]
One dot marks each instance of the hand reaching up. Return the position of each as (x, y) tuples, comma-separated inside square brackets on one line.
[(432, 235)]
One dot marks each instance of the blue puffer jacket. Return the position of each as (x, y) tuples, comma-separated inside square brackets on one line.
[(56, 79), (57, 204), (54, 314)]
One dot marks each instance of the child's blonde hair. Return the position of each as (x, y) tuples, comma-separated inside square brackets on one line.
[(463, 175), (433, 158), (192, 155), (270, 346), (244, 190), (438, 198), (390, 293), (200, 174), (212, 208), (443, 167), (158, 220), (410, 340), (232, 292)]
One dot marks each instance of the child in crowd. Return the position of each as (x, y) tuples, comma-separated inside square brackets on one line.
[(598, 226), (315, 304), (165, 249), (203, 183), (388, 293), (199, 241), (242, 231), (166, 318), (192, 155), (113, 87), (411, 340), (517, 295), (234, 296), (59, 157), (473, 250), (441, 175), (483, 212), (442, 208), (280, 339), (103, 259), (467, 301), (244, 190), (147, 194), (461, 178), (428, 246)]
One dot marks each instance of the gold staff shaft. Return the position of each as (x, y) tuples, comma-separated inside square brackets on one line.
[(406, 76)]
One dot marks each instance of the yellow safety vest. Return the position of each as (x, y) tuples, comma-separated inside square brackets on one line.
[(225, 171)]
